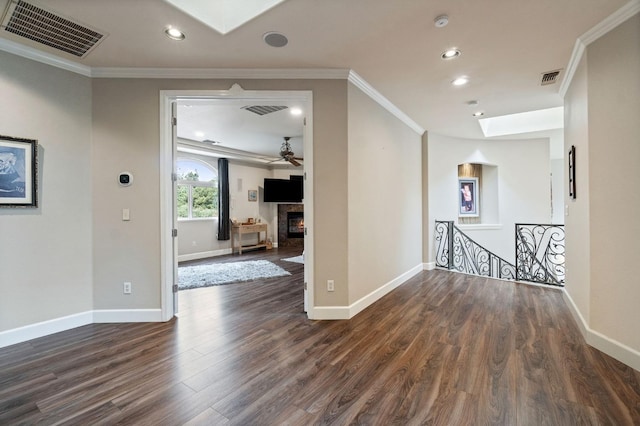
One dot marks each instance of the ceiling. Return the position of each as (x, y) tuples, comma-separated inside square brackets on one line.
[(394, 46)]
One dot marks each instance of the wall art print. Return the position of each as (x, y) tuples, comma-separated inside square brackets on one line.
[(18, 172)]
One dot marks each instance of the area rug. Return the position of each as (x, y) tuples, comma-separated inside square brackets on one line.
[(297, 259), (226, 273)]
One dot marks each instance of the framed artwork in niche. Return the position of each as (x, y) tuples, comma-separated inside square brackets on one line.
[(253, 195), (18, 172), (468, 202)]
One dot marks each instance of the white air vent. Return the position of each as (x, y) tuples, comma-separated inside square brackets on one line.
[(550, 77), (41, 26), (264, 109)]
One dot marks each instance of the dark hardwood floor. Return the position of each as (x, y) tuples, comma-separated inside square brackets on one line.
[(442, 349)]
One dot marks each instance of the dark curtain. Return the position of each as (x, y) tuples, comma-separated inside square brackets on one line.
[(224, 221)]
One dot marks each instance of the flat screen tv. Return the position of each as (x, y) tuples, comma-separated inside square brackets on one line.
[(283, 190)]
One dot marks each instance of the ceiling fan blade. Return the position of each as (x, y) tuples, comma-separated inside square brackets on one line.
[(298, 158), (294, 162)]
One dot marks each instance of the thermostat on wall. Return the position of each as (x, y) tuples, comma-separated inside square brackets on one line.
[(125, 179)]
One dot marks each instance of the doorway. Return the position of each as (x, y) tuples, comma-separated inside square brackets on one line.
[(168, 155)]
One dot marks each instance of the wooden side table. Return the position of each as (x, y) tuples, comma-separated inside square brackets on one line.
[(237, 231)]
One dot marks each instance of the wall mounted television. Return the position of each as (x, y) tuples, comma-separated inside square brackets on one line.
[(283, 190)]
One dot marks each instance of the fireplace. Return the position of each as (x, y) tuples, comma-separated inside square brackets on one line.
[(291, 225), (295, 225)]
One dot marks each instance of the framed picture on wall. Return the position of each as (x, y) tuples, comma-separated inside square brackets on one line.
[(468, 204), (253, 195), (18, 172)]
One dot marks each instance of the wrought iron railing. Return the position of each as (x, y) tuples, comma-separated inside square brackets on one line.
[(539, 254), (456, 251)]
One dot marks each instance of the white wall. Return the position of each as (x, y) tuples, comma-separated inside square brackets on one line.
[(45, 255), (559, 177), (601, 121), (385, 196), (523, 186)]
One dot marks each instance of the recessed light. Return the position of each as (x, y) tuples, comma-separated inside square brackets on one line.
[(478, 114), (296, 111), (441, 21), (199, 134), (450, 54), (460, 81), (472, 103), (275, 39), (174, 33)]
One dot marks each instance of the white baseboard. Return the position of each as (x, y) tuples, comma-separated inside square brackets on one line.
[(44, 328), (127, 315), (56, 325), (203, 254), (429, 266), (348, 312), (611, 347)]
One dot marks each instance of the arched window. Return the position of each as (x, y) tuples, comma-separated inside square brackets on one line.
[(197, 192)]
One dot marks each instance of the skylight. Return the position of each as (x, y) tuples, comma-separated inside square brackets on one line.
[(224, 16), (524, 122)]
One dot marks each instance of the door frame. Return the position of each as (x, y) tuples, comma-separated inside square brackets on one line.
[(167, 167)]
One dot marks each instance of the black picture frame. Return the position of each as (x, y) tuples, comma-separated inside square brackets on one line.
[(572, 172), (18, 172)]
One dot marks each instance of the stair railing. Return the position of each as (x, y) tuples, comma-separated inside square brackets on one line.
[(539, 254), (457, 251)]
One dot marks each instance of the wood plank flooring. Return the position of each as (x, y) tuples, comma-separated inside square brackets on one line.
[(443, 349)]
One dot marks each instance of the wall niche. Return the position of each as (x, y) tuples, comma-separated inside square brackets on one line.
[(487, 193)]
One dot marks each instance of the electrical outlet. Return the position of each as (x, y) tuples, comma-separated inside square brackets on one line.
[(126, 288), (330, 285)]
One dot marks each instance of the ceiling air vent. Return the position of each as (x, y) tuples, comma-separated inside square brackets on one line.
[(264, 109), (44, 27), (549, 77)]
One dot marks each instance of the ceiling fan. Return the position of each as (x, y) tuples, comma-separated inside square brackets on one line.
[(287, 154)]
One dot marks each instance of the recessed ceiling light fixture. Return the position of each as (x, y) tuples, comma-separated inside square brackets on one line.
[(296, 111), (275, 39), (199, 134), (441, 21), (460, 81), (478, 114), (472, 103), (174, 33), (451, 53)]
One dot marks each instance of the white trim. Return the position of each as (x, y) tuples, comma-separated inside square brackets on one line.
[(348, 312), (600, 29), (429, 266), (44, 328), (479, 226), (127, 315), (611, 22), (166, 168), (611, 347), (214, 73), (224, 73), (203, 254), (42, 57), (56, 325), (366, 88)]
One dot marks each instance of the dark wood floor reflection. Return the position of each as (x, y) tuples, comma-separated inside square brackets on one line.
[(442, 349)]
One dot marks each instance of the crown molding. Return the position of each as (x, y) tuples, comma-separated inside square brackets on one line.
[(361, 84), (213, 73), (219, 73), (42, 57), (600, 29)]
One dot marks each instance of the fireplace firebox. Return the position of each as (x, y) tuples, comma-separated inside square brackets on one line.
[(295, 224)]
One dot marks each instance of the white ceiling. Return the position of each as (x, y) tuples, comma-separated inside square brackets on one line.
[(394, 45)]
